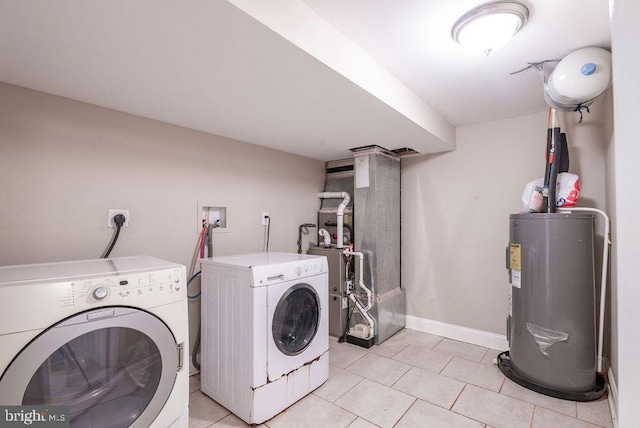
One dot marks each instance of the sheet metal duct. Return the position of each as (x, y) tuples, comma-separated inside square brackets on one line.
[(377, 235)]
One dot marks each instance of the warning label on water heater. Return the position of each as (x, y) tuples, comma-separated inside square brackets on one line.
[(515, 258), (515, 264)]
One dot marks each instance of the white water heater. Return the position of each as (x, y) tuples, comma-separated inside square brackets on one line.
[(579, 79)]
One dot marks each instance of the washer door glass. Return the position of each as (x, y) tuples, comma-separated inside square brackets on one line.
[(296, 319), (112, 367)]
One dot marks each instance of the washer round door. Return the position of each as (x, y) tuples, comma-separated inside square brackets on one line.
[(112, 367), (296, 319)]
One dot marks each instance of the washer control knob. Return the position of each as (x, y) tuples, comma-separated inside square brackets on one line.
[(100, 293)]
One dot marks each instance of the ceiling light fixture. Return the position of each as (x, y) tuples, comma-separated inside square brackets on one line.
[(490, 26)]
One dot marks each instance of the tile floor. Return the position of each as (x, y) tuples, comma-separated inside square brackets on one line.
[(414, 380)]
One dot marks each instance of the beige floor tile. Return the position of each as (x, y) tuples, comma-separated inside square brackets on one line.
[(388, 348), (194, 384), (493, 409), (413, 337), (514, 390), (596, 412), (344, 354), (431, 387), (373, 405), (424, 358), (232, 421), (545, 418), (339, 382), (203, 411), (312, 411), (423, 414), (379, 369), (362, 423), (376, 403), (478, 374), (460, 349)]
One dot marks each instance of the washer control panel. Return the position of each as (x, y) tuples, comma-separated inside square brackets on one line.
[(271, 274), (124, 289), (309, 269)]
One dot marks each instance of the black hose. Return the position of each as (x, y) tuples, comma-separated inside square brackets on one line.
[(196, 345), (547, 169), (564, 154), (303, 225), (113, 242), (195, 275), (196, 348), (553, 174), (343, 338)]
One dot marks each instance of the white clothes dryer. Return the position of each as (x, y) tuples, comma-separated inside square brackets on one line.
[(265, 331), (108, 338)]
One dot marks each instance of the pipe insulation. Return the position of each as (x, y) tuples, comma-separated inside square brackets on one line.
[(345, 201), (603, 283), (363, 310)]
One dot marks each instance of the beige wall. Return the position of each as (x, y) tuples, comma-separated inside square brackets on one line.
[(456, 206), (63, 164)]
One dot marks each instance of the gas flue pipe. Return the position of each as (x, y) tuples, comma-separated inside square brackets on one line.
[(326, 237), (345, 201)]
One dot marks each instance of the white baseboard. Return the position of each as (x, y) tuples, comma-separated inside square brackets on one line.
[(613, 398), (456, 332)]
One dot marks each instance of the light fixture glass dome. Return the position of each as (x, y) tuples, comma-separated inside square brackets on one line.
[(489, 26)]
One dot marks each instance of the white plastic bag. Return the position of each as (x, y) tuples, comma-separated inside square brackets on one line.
[(532, 196), (567, 191)]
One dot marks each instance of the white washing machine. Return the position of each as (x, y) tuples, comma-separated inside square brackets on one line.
[(265, 331), (108, 338)]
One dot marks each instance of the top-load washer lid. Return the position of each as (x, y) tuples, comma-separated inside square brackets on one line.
[(259, 259), (272, 268)]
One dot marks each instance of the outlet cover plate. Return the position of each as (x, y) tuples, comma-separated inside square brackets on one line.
[(113, 212)]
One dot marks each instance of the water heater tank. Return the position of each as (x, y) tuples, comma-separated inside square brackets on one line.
[(579, 79), (551, 331)]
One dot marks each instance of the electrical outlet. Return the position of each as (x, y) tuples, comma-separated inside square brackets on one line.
[(265, 218), (113, 212)]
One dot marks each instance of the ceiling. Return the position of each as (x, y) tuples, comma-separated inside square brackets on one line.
[(311, 77)]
